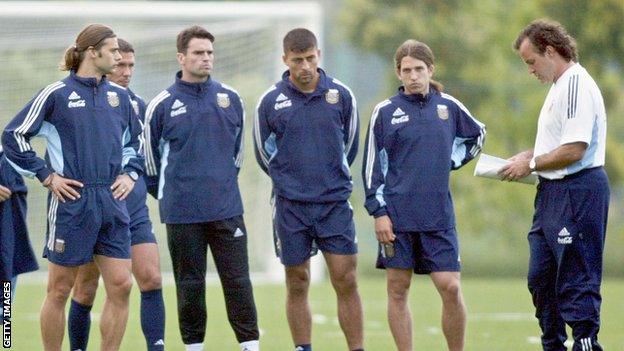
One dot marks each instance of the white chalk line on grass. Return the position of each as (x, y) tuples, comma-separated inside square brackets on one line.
[(536, 340)]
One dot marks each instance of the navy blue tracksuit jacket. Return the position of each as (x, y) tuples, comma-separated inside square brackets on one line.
[(412, 144), (16, 254), (91, 132), (306, 142), (194, 137)]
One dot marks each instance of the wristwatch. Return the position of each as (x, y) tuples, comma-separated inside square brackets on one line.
[(532, 164), (133, 175)]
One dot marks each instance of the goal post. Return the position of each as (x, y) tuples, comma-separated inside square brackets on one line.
[(248, 50)]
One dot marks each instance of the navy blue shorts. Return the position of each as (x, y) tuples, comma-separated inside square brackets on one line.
[(302, 226), (424, 252), (141, 229), (95, 224)]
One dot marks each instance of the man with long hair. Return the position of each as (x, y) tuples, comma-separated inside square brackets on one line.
[(415, 139), (144, 250), (92, 146)]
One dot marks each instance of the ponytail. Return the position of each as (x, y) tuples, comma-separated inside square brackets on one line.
[(72, 59), (92, 36)]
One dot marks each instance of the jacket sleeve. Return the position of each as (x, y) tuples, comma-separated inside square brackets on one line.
[(132, 156), (239, 148), (351, 127), (374, 167), (141, 117), (154, 118), (25, 125), (469, 137), (264, 139), (3, 170)]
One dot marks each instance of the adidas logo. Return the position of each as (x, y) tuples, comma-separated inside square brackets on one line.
[(74, 96), (564, 237), (177, 104), (238, 233), (281, 97), (177, 108), (159, 342), (398, 112)]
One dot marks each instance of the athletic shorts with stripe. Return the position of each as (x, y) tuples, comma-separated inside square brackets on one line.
[(424, 252), (94, 224), (141, 229), (300, 226)]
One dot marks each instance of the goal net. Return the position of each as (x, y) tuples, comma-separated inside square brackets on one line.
[(247, 57)]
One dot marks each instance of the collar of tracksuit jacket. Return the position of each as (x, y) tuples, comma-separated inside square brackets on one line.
[(94, 84), (193, 89), (88, 82), (321, 86), (418, 98)]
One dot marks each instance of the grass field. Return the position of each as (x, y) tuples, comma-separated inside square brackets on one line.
[(500, 317)]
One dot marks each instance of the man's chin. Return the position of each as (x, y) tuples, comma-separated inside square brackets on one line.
[(202, 74), (305, 80)]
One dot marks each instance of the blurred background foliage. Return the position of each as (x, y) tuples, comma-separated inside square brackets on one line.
[(472, 41)]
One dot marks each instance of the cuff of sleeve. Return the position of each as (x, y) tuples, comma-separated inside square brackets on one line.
[(575, 139), (128, 168), (382, 211), (43, 174)]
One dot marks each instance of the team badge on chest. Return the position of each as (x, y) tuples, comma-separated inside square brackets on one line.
[(113, 98), (223, 100), (332, 96), (443, 112)]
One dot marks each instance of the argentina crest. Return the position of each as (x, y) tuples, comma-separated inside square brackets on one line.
[(113, 98), (223, 100), (443, 112), (332, 96)]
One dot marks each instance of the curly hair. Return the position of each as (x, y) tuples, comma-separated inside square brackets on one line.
[(543, 32)]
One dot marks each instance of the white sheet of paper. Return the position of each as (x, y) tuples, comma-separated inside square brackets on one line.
[(488, 167)]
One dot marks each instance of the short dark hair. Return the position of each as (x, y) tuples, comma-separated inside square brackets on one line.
[(543, 32), (124, 46), (189, 33), (299, 40)]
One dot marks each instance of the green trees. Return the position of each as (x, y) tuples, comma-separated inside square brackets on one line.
[(472, 41)]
